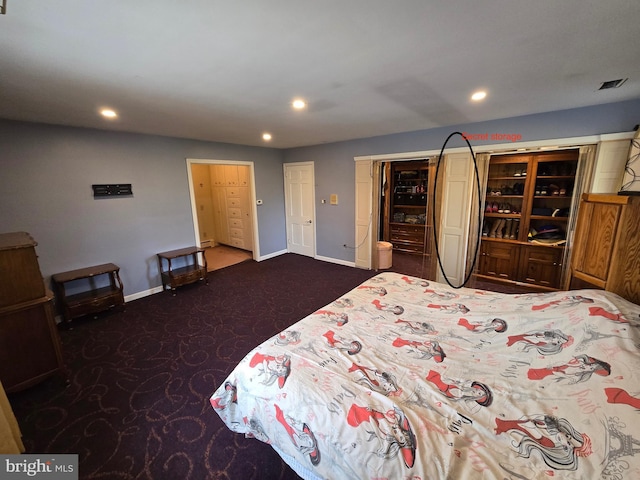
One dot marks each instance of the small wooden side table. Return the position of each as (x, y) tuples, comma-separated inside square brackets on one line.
[(97, 297), (194, 270)]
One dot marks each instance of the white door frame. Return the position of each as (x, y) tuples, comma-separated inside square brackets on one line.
[(287, 200), (252, 190)]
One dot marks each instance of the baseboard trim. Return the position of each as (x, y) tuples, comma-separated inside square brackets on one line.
[(335, 260), (158, 289), (271, 255), (144, 293)]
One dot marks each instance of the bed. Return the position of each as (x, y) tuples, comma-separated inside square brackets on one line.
[(407, 378)]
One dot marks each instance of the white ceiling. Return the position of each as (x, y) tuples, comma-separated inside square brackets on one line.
[(228, 70)]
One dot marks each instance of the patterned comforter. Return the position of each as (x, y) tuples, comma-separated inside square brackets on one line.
[(406, 378)]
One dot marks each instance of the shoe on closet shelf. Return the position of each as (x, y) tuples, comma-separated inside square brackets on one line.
[(494, 227), (514, 229), (507, 208), (508, 227), (518, 188)]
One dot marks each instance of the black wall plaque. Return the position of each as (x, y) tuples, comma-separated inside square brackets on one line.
[(112, 190)]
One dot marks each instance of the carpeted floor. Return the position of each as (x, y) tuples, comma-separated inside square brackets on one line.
[(137, 406), (137, 403)]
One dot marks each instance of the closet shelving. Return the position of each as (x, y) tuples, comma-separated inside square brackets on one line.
[(408, 218), (528, 204)]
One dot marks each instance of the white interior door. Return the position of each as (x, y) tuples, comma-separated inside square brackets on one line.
[(300, 205), (454, 224), (364, 241)]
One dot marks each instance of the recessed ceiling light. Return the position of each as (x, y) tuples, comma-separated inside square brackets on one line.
[(479, 95), (108, 113), (266, 137), (299, 104)]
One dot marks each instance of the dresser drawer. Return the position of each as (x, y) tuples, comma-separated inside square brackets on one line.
[(234, 203), (234, 212), (408, 234), (408, 247), (93, 302), (237, 242), (408, 229), (236, 233), (236, 223)]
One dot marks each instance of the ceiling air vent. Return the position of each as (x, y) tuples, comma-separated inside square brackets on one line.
[(612, 84)]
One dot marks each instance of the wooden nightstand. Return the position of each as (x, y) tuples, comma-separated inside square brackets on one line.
[(190, 270), (101, 290)]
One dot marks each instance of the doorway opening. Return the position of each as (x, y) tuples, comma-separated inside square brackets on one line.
[(224, 218), (406, 216)]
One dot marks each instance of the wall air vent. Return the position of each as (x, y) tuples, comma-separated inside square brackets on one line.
[(612, 84), (112, 190)]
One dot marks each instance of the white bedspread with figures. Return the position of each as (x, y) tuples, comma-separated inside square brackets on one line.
[(406, 378)]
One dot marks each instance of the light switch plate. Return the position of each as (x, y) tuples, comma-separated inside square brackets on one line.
[(333, 199)]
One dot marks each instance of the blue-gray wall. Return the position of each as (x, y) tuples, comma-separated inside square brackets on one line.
[(335, 169), (46, 173)]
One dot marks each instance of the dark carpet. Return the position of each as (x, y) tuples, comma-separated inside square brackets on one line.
[(137, 406)]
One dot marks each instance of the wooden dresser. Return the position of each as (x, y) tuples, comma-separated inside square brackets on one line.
[(29, 345), (606, 252)]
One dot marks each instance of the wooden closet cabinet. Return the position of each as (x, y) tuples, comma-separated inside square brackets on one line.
[(499, 260), (29, 345), (527, 212), (232, 216), (606, 251), (238, 203), (540, 265)]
